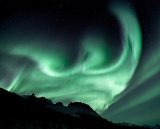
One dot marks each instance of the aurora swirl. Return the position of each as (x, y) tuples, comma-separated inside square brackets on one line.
[(46, 69), (104, 53)]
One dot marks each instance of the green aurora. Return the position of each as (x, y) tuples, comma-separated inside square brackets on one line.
[(91, 79), (120, 85)]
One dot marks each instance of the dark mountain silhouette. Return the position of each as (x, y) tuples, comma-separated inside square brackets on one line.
[(30, 112)]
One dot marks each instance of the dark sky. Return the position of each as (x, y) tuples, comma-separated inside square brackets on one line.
[(105, 53), (75, 16)]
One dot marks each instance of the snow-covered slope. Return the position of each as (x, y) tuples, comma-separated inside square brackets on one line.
[(76, 109)]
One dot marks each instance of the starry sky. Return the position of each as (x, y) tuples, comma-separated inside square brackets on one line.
[(103, 53)]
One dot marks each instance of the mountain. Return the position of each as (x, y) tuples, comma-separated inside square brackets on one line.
[(76, 109), (30, 112)]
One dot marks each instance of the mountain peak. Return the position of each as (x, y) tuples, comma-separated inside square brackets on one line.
[(80, 104), (26, 110), (41, 100)]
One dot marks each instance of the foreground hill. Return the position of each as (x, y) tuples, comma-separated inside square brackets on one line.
[(30, 112)]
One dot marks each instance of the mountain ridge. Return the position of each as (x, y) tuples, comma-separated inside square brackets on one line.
[(17, 111)]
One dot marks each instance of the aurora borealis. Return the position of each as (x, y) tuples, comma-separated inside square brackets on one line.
[(61, 51)]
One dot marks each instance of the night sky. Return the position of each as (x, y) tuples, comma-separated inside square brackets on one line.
[(103, 53)]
